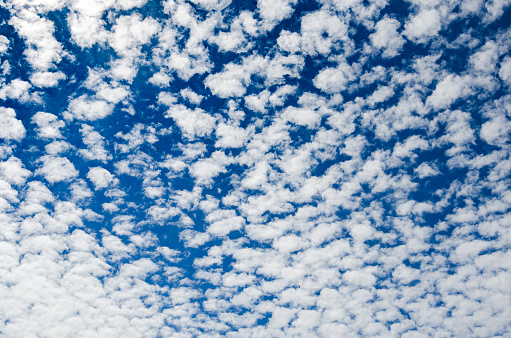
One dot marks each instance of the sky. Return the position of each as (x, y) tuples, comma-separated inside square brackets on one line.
[(269, 168)]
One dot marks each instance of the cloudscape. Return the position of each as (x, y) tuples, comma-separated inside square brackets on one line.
[(269, 168)]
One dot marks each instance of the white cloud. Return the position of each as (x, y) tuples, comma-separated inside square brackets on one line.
[(380, 95), (334, 80), (10, 127), (43, 49), (274, 11), (88, 109), (130, 32), (486, 58), (205, 170), (18, 90), (160, 79), (56, 169), (193, 123), (387, 38), (212, 4), (321, 31), (48, 125), (80, 191), (448, 91), (495, 9), (191, 96), (289, 41), (85, 24), (302, 116), (47, 79), (13, 171), (101, 178), (130, 4), (112, 94), (222, 222), (230, 136), (505, 71), (95, 145), (194, 239), (230, 82), (426, 170), (233, 41), (496, 131), (423, 26), (57, 147), (4, 44)]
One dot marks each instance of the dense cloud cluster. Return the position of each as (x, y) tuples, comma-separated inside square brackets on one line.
[(271, 168)]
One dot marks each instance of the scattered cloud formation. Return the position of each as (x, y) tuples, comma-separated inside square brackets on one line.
[(279, 168)]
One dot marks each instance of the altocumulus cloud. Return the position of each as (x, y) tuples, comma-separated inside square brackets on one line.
[(285, 168)]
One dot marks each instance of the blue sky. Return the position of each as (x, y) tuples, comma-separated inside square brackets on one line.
[(274, 168)]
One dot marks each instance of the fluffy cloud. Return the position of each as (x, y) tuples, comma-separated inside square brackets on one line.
[(43, 49), (424, 25), (10, 127), (4, 44), (387, 38), (56, 169), (230, 136), (505, 71), (272, 12), (101, 178), (85, 108), (47, 79), (230, 82), (334, 80), (48, 125), (193, 123)]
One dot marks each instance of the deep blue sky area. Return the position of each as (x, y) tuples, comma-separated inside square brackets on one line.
[(270, 168)]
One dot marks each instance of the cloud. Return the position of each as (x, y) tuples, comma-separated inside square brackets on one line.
[(423, 26), (43, 51), (192, 122), (56, 169), (46, 79), (334, 80), (302, 116), (321, 32), (387, 38), (88, 109), (18, 90), (230, 82), (448, 91), (160, 79), (130, 32), (48, 125), (505, 71), (272, 12), (95, 144), (4, 44), (13, 171), (10, 127), (230, 136), (496, 131), (101, 178)]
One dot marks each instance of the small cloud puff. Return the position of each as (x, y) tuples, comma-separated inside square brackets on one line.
[(423, 26), (48, 125), (10, 127), (387, 38), (55, 169), (4, 44), (101, 178)]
